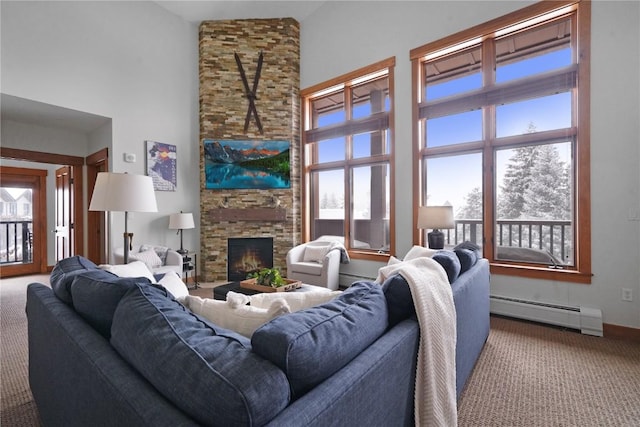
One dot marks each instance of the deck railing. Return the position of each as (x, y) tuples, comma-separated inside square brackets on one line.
[(546, 236), (16, 242), (552, 236)]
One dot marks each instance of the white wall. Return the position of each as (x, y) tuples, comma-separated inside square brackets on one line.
[(133, 62), (342, 36)]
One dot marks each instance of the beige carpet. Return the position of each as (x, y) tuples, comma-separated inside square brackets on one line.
[(528, 374)]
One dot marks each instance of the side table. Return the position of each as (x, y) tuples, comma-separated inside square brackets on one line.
[(190, 266)]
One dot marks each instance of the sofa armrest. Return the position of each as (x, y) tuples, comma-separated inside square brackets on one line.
[(374, 389), (173, 258)]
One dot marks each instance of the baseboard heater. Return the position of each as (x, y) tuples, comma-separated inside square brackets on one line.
[(585, 319)]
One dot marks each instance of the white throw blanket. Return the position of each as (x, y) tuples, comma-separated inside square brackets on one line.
[(435, 389)]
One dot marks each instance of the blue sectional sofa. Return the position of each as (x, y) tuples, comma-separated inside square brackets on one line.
[(110, 351)]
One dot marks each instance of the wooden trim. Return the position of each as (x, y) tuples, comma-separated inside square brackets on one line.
[(96, 249), (532, 272), (255, 214), (76, 164), (40, 157), (348, 77), (583, 160), (38, 178), (618, 332), (487, 28)]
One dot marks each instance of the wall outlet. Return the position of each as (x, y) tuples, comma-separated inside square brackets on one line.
[(627, 294)]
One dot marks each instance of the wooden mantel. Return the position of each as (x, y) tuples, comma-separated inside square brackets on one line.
[(249, 214)]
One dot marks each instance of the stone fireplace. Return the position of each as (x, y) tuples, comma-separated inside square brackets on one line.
[(249, 213), (248, 255)]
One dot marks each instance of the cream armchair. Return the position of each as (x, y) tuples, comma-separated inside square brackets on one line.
[(314, 263), (172, 259)]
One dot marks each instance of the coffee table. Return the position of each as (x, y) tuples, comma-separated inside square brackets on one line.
[(220, 292)]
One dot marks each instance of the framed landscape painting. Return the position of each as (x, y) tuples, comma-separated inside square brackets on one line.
[(162, 162), (246, 164)]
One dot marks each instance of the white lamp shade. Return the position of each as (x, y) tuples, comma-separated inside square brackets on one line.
[(435, 217), (181, 221), (123, 192)]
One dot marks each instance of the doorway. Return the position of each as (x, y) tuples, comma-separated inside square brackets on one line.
[(75, 165), (23, 223)]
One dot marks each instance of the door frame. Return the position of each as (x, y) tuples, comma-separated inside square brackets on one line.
[(37, 177), (96, 220), (76, 165)]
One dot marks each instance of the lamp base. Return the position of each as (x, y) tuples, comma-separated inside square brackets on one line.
[(182, 251), (436, 239)]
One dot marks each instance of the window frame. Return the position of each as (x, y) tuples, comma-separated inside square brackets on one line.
[(353, 127), (581, 271)]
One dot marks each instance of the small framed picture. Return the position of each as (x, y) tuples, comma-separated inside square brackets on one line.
[(162, 161)]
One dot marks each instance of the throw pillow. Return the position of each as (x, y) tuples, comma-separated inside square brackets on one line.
[(399, 299), (296, 300), (467, 258), (150, 258), (314, 253), (133, 269), (161, 251), (243, 319), (393, 260), (174, 284), (311, 345), (450, 262), (418, 252)]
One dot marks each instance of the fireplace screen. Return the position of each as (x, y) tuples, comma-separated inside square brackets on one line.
[(248, 255)]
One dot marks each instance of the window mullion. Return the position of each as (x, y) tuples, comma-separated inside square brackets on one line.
[(489, 135)]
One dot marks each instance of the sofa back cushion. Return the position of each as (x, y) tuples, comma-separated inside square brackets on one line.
[(312, 344), (209, 372), (64, 272), (95, 295), (399, 300), (450, 262)]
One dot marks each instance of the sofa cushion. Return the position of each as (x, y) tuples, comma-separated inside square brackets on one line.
[(399, 300), (467, 257), (64, 272), (450, 262), (312, 344), (150, 258), (133, 269), (209, 372), (243, 319), (174, 284), (296, 300), (95, 297)]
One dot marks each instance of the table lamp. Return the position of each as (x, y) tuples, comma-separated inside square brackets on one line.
[(181, 221), (435, 218)]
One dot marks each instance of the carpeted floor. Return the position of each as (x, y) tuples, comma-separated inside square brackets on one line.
[(528, 374)]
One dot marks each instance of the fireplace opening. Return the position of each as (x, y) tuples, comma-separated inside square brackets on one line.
[(248, 255)]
